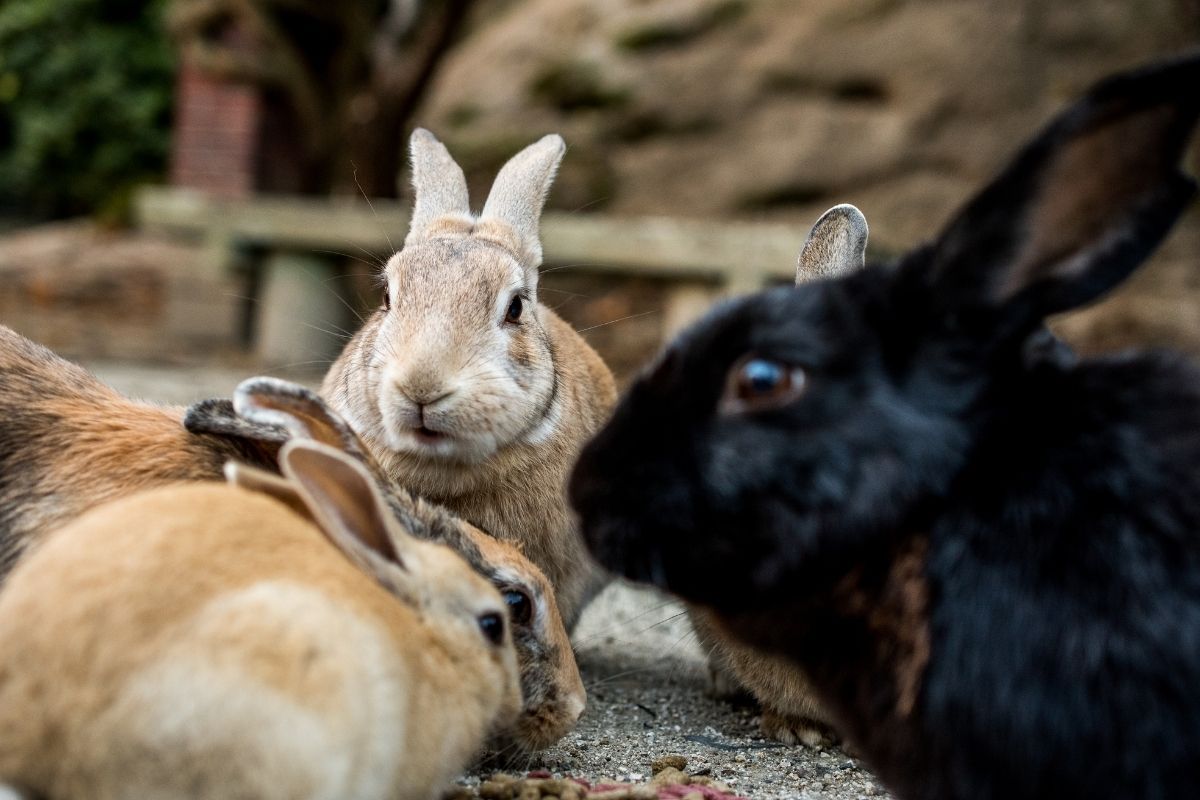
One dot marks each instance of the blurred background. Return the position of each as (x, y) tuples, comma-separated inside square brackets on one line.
[(184, 183)]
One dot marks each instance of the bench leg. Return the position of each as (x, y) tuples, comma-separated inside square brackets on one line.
[(301, 314)]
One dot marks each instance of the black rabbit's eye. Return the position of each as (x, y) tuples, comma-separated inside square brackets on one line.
[(492, 626), (520, 607), (514, 310), (756, 384)]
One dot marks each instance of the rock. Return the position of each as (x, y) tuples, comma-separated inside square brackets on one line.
[(670, 761)]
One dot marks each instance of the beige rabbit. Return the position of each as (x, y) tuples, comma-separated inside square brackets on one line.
[(836, 245), (69, 443), (205, 641), (466, 389)]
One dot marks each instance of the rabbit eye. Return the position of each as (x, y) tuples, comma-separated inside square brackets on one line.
[(492, 626), (756, 384), (387, 297), (520, 607), (515, 308)]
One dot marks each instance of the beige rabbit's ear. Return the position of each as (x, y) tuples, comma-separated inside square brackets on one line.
[(836, 245), (348, 508), (519, 195), (263, 482), (439, 186)]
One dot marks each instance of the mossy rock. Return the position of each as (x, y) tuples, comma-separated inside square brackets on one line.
[(646, 124), (662, 34), (571, 86)]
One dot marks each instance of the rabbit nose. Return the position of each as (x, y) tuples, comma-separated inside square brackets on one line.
[(423, 395), (573, 705)]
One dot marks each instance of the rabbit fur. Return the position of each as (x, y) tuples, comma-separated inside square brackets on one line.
[(68, 443)]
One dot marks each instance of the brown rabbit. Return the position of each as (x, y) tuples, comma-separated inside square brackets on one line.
[(205, 641), (466, 389), (551, 685), (69, 443), (836, 245)]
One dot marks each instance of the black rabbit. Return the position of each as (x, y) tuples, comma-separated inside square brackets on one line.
[(984, 552)]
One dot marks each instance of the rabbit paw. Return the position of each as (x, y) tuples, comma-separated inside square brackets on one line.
[(795, 730), (724, 685)]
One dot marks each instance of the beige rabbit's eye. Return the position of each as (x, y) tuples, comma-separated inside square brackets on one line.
[(387, 297), (515, 308)]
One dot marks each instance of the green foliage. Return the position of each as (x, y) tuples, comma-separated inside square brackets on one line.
[(85, 101)]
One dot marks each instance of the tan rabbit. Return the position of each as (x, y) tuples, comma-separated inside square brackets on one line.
[(69, 443), (466, 389), (205, 641), (836, 245)]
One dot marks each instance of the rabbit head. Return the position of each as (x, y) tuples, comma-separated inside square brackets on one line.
[(456, 363), (787, 431)]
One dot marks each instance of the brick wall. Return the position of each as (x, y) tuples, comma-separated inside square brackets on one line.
[(217, 125)]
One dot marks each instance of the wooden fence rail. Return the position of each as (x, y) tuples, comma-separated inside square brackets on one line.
[(293, 238)]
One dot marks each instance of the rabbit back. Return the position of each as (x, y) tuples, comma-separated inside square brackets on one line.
[(68, 442)]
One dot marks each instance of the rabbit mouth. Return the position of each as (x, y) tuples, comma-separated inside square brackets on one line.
[(426, 443), (428, 435)]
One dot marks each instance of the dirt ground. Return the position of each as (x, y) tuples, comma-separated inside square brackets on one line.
[(646, 677)]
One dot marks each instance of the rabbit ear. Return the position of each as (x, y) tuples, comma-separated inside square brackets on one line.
[(347, 506), (439, 186), (217, 417), (520, 191), (263, 482), (301, 412), (1082, 204), (296, 409), (836, 245)]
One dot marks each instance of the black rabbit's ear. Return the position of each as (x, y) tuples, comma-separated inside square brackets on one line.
[(1081, 206)]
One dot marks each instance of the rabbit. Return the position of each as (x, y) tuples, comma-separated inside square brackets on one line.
[(835, 246), (69, 443), (981, 549), (206, 641), (551, 686), (466, 389)]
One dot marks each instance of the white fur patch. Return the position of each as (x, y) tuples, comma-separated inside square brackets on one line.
[(549, 426)]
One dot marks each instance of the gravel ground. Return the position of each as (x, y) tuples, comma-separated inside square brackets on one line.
[(646, 678)]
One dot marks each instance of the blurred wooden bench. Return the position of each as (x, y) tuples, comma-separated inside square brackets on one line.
[(292, 245)]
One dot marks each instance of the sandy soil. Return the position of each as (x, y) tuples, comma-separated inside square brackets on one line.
[(647, 680)]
